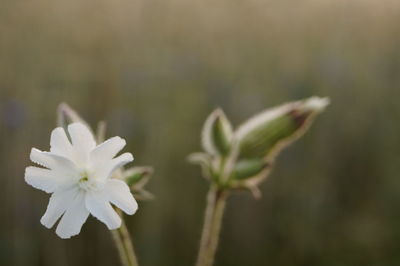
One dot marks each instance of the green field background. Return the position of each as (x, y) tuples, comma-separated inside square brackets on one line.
[(154, 70)]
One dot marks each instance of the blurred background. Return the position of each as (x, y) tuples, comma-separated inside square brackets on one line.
[(155, 69)]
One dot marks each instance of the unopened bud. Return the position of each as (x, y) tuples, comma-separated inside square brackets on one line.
[(67, 115), (267, 133), (248, 168), (135, 175), (217, 134)]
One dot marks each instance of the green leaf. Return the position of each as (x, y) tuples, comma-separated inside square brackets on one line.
[(217, 134)]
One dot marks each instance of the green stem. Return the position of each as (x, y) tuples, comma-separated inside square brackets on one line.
[(216, 201), (124, 245)]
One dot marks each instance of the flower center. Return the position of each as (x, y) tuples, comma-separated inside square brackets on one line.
[(87, 183), (83, 179)]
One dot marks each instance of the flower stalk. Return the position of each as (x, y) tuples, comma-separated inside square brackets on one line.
[(241, 159), (124, 245), (216, 201)]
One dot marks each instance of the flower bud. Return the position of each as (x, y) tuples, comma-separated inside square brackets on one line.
[(67, 115), (217, 134), (137, 178), (205, 162), (137, 175), (252, 182), (248, 168), (264, 135)]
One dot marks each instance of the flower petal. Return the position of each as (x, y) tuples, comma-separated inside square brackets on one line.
[(55, 162), (120, 195), (98, 205), (59, 202), (44, 179), (107, 150), (74, 217), (60, 144), (104, 171), (82, 140)]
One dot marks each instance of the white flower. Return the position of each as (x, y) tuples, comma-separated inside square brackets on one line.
[(78, 175)]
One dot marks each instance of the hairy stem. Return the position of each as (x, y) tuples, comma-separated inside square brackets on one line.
[(216, 201), (124, 245)]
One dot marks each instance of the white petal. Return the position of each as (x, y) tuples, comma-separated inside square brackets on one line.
[(317, 104), (60, 144), (107, 150), (120, 195), (59, 202), (44, 179), (55, 162), (104, 171), (73, 219), (82, 141), (98, 205)]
